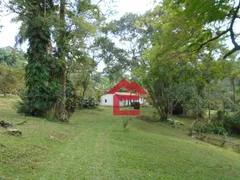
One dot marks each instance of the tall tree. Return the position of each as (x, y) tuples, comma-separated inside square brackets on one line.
[(169, 67), (41, 83), (56, 31), (62, 51)]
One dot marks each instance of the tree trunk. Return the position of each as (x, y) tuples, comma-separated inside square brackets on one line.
[(209, 111), (62, 53), (84, 89), (83, 94), (234, 89), (62, 105), (209, 105), (164, 116)]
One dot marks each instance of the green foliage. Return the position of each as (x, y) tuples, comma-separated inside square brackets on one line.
[(211, 129), (172, 70), (115, 58), (71, 102), (41, 81), (229, 120), (87, 103), (49, 64), (233, 123), (8, 82), (11, 80), (222, 115), (12, 57), (23, 107), (210, 16), (125, 122)]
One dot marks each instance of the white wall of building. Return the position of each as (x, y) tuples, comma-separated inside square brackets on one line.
[(106, 100)]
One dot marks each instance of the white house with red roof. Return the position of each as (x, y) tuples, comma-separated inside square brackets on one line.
[(107, 99)]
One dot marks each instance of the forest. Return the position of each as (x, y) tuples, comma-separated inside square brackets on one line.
[(184, 53)]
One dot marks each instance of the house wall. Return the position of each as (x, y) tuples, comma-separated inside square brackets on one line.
[(106, 100)]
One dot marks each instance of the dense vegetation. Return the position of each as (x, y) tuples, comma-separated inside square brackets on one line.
[(12, 62)]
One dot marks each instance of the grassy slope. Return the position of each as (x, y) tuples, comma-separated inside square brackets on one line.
[(94, 146)]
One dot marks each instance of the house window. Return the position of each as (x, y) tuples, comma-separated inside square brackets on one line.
[(105, 100)]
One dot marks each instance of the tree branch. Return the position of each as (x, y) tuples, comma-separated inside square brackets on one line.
[(10, 8), (99, 2), (232, 51), (231, 26), (232, 35), (213, 39)]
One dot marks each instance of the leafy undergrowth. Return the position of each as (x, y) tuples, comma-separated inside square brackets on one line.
[(95, 146)]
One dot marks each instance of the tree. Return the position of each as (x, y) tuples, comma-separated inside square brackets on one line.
[(7, 81), (123, 43), (219, 19), (11, 80), (169, 67), (81, 76), (41, 81), (48, 62), (131, 36), (13, 57), (73, 33), (62, 51)]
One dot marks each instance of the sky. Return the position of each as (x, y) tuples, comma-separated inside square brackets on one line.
[(10, 30)]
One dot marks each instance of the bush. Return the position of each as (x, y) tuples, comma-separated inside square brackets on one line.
[(222, 115), (46, 104), (230, 121), (211, 129), (233, 123), (87, 103)]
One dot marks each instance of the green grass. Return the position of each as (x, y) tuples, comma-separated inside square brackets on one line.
[(95, 146)]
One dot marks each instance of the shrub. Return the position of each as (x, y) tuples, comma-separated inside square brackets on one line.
[(222, 115), (233, 123), (210, 128), (125, 123), (230, 121), (87, 103)]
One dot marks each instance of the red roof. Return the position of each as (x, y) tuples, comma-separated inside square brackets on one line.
[(125, 93), (128, 86)]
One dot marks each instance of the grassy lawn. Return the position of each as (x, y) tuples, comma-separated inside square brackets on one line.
[(94, 146)]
